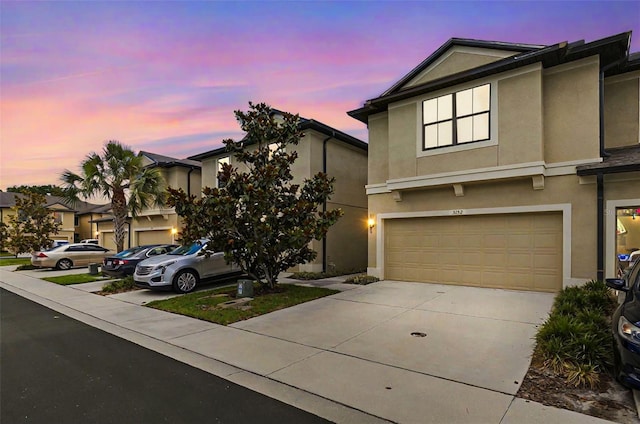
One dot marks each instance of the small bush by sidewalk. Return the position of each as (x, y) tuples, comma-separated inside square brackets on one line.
[(575, 341), (119, 286), (362, 279)]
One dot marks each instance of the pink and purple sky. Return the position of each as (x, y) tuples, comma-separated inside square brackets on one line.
[(166, 76)]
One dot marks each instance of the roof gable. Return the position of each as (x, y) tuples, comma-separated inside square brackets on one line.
[(613, 55), (458, 55)]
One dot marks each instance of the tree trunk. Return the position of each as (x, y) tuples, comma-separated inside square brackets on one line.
[(119, 208)]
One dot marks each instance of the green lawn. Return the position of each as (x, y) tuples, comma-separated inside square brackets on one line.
[(11, 260), (205, 304), (66, 280)]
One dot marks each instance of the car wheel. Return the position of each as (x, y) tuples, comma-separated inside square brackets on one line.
[(185, 281), (64, 264)]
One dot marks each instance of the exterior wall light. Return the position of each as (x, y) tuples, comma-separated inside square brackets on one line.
[(372, 223)]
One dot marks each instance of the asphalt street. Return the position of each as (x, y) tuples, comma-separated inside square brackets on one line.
[(54, 369)]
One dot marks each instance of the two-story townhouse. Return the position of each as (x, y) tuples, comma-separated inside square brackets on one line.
[(322, 149), (506, 165), (63, 213), (154, 224)]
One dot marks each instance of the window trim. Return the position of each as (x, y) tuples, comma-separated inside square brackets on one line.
[(454, 118), (493, 119)]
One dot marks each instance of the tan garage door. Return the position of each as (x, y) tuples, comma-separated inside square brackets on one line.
[(154, 237), (514, 251)]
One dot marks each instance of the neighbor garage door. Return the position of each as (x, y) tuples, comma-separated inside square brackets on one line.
[(513, 251), (154, 237)]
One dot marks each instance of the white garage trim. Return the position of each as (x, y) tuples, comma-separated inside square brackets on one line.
[(565, 208), (610, 233)]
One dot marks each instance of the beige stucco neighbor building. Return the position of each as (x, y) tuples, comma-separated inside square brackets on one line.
[(153, 225), (507, 165), (340, 155), (59, 207)]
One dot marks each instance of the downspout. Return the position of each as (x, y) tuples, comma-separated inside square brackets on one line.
[(324, 203), (600, 175), (189, 181), (600, 224)]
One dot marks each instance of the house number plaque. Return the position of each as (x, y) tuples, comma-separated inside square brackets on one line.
[(457, 212)]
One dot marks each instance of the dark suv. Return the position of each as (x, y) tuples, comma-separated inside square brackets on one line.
[(124, 263), (626, 328)]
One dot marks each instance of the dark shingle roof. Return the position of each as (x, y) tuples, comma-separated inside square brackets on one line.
[(167, 161), (304, 124), (621, 159), (8, 200)]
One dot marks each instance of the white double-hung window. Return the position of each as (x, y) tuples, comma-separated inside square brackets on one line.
[(457, 118)]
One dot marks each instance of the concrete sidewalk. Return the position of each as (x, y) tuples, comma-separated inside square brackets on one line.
[(350, 357)]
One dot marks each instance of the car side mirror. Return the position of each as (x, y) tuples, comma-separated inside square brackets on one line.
[(617, 284)]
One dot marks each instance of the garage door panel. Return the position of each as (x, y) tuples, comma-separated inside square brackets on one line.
[(518, 251), (154, 237), (519, 240), (519, 260)]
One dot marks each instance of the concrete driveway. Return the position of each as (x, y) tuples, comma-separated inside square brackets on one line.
[(467, 338)]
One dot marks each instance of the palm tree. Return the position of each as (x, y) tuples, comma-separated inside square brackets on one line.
[(118, 174)]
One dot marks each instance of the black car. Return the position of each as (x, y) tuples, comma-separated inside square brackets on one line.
[(626, 328), (124, 263)]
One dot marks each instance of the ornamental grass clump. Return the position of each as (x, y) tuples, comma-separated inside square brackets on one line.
[(575, 340)]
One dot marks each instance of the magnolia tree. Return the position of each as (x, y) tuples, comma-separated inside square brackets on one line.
[(260, 219), (30, 226)]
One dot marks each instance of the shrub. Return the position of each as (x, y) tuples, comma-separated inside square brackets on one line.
[(575, 339), (118, 286), (361, 279)]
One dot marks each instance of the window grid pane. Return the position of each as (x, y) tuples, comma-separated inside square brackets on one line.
[(430, 111), (445, 107), (481, 98), (445, 133), (430, 136), (464, 103), (467, 113)]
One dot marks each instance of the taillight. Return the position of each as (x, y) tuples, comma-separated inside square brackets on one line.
[(42, 255)]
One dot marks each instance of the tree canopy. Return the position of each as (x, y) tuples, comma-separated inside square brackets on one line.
[(30, 226), (118, 174), (261, 220), (48, 189)]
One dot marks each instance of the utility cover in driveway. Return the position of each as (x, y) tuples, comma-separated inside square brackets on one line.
[(513, 251)]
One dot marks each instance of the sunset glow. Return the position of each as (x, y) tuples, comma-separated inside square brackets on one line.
[(166, 76)]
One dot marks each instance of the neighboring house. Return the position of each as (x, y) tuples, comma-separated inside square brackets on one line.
[(152, 225), (323, 149), (489, 165), (63, 213)]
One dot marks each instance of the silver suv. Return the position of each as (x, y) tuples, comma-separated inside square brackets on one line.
[(181, 269)]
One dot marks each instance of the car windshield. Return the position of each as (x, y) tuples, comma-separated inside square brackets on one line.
[(129, 252), (187, 250)]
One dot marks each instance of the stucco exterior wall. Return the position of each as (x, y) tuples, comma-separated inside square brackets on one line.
[(507, 194), (66, 228), (460, 59), (402, 140), (378, 163), (520, 129), (571, 111), (621, 110)]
